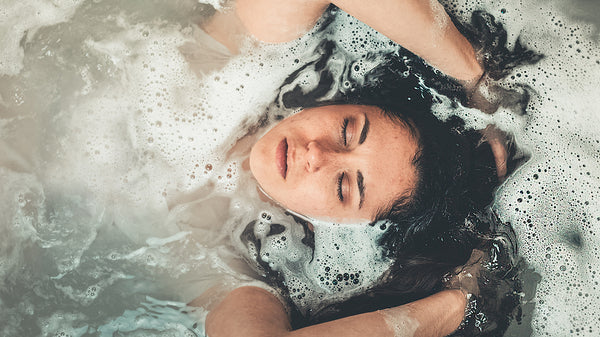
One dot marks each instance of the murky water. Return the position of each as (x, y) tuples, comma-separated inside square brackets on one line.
[(118, 200)]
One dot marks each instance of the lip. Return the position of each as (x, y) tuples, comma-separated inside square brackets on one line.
[(281, 154)]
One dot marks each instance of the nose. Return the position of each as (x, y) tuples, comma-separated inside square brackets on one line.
[(316, 156)]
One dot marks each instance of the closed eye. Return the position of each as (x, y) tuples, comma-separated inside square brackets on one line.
[(344, 134), (339, 187)]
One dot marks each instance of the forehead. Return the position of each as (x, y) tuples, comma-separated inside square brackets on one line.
[(335, 110), (385, 158), (389, 171)]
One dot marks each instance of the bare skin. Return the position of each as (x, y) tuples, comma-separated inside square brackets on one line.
[(422, 27), (332, 165), (251, 311)]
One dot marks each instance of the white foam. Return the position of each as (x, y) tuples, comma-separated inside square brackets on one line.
[(19, 20), (551, 201), (115, 119)]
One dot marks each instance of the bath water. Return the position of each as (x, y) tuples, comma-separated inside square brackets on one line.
[(122, 200)]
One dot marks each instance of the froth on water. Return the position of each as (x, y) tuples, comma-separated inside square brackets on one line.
[(119, 191)]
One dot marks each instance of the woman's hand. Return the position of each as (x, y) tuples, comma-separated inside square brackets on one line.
[(465, 277), (252, 311), (482, 94)]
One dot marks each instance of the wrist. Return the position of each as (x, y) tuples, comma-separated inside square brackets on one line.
[(466, 306), (473, 80), (455, 308), (462, 298)]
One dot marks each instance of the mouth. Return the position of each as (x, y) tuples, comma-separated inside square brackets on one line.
[(281, 157)]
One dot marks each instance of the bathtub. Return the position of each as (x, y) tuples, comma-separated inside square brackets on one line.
[(109, 137)]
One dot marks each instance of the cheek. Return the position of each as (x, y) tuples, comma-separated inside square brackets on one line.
[(259, 167), (307, 199)]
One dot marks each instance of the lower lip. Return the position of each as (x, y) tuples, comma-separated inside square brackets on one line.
[(281, 157)]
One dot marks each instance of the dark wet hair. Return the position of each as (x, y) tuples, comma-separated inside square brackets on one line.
[(428, 234), (434, 229)]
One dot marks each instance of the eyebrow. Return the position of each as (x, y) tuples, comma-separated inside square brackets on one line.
[(361, 188), (365, 131)]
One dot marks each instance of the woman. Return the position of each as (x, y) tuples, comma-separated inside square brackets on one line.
[(334, 153)]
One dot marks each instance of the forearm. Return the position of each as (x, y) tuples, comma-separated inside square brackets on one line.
[(253, 311), (248, 311), (279, 20), (421, 26), (424, 28), (271, 21), (437, 315)]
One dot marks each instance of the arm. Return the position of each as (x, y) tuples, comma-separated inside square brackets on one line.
[(272, 21), (251, 311), (421, 26), (424, 28)]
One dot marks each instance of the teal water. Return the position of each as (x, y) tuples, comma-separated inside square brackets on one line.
[(108, 138)]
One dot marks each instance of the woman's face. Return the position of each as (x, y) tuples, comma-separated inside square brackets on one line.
[(340, 162)]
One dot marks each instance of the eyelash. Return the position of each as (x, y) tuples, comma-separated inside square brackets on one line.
[(339, 187), (344, 128)]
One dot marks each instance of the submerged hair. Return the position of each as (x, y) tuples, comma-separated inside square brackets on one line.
[(433, 229)]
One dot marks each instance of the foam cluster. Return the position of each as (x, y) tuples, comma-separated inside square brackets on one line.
[(122, 173), (551, 201)]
